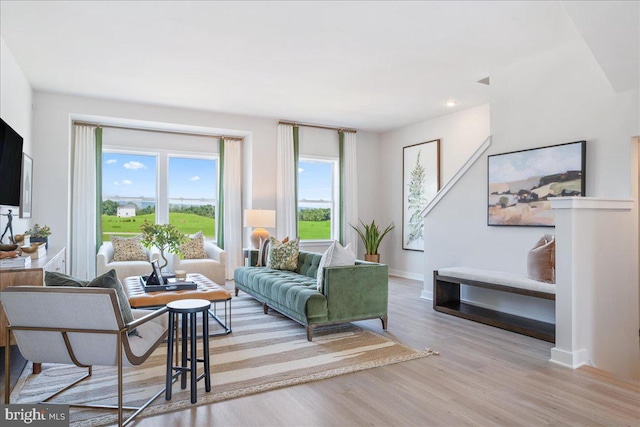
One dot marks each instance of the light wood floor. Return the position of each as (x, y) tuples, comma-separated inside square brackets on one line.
[(484, 376)]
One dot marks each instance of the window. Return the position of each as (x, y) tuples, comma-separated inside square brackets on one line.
[(159, 187), (192, 194), (128, 193), (318, 217)]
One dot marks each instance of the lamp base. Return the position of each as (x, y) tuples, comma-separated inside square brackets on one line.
[(258, 236)]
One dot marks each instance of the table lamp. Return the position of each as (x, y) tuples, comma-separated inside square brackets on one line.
[(259, 219)]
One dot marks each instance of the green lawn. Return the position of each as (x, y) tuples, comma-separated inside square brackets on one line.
[(186, 222), (314, 230)]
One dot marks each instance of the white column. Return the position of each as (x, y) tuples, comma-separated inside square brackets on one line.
[(597, 285)]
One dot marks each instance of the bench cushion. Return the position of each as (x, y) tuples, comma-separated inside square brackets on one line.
[(499, 278)]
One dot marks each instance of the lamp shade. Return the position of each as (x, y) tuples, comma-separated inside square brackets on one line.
[(259, 218)]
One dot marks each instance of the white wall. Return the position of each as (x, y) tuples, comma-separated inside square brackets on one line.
[(557, 96), (15, 109), (52, 118), (460, 134)]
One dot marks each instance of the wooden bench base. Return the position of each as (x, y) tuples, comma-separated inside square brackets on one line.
[(446, 299)]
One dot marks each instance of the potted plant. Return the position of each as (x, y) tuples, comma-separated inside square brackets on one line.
[(163, 237), (372, 237), (39, 234)]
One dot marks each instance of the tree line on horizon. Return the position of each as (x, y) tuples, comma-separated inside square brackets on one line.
[(110, 207)]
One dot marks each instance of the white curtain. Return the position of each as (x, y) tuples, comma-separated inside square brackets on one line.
[(83, 203), (350, 213), (233, 205), (286, 184)]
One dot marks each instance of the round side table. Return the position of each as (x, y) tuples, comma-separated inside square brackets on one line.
[(189, 309)]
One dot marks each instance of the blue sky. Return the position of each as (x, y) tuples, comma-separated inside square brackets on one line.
[(133, 175), (314, 180)]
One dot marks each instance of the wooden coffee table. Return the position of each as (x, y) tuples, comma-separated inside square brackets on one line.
[(207, 290)]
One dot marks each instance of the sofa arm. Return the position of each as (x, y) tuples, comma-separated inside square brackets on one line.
[(356, 292), (215, 253)]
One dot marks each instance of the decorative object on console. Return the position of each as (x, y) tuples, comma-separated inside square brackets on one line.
[(420, 184), (541, 260), (164, 237), (522, 182), (283, 256), (39, 234), (259, 219), (372, 237)]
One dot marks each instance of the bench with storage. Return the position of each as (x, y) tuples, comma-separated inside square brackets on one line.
[(446, 298)]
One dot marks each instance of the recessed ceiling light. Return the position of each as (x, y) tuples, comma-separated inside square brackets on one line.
[(451, 103)]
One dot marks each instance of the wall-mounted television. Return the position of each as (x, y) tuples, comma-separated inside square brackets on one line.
[(10, 165)]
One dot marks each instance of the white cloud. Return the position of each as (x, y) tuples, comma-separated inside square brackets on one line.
[(300, 170), (111, 161), (127, 182), (194, 178), (116, 183), (134, 165)]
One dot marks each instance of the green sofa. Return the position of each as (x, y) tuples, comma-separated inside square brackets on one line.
[(350, 293)]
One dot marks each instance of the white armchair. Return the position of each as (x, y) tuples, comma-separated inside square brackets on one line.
[(105, 262), (213, 267)]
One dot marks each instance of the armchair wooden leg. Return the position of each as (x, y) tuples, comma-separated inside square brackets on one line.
[(384, 320)]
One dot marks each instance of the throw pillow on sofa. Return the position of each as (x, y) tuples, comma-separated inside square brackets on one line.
[(541, 260), (128, 249), (263, 251), (335, 256), (52, 278), (193, 248), (283, 256)]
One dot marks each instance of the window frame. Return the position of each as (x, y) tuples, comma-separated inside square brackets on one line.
[(162, 175), (335, 202)]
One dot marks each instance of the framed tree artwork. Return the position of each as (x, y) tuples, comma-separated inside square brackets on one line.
[(420, 184)]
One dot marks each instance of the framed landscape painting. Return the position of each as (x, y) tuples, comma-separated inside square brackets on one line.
[(522, 183), (420, 184)]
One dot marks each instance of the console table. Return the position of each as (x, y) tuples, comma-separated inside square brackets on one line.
[(33, 275)]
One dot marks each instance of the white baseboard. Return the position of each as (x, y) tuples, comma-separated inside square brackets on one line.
[(407, 275), (426, 295), (568, 359)]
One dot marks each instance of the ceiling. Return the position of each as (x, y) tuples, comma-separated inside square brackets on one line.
[(372, 66)]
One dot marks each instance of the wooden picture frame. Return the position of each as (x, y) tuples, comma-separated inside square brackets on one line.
[(420, 184), (521, 184), (26, 187)]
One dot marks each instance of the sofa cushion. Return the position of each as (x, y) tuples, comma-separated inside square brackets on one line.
[(193, 248), (335, 256), (128, 249), (53, 278), (283, 256)]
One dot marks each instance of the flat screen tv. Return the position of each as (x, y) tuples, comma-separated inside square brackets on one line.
[(10, 165)]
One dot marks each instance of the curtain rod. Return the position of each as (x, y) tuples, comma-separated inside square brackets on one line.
[(175, 132), (309, 125)]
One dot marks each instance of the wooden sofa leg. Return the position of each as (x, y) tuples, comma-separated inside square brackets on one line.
[(384, 320), (265, 307), (237, 290), (310, 329)]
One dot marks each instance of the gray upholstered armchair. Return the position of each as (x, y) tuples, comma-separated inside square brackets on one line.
[(83, 327)]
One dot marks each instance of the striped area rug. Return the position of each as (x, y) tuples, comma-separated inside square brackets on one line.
[(264, 352)]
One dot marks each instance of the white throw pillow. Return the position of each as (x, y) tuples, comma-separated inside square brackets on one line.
[(335, 256)]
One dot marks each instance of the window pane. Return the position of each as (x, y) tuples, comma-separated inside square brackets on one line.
[(128, 193), (315, 199), (193, 185)]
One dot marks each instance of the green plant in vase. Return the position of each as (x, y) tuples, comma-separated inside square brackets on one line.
[(165, 237), (371, 236), (39, 234)]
